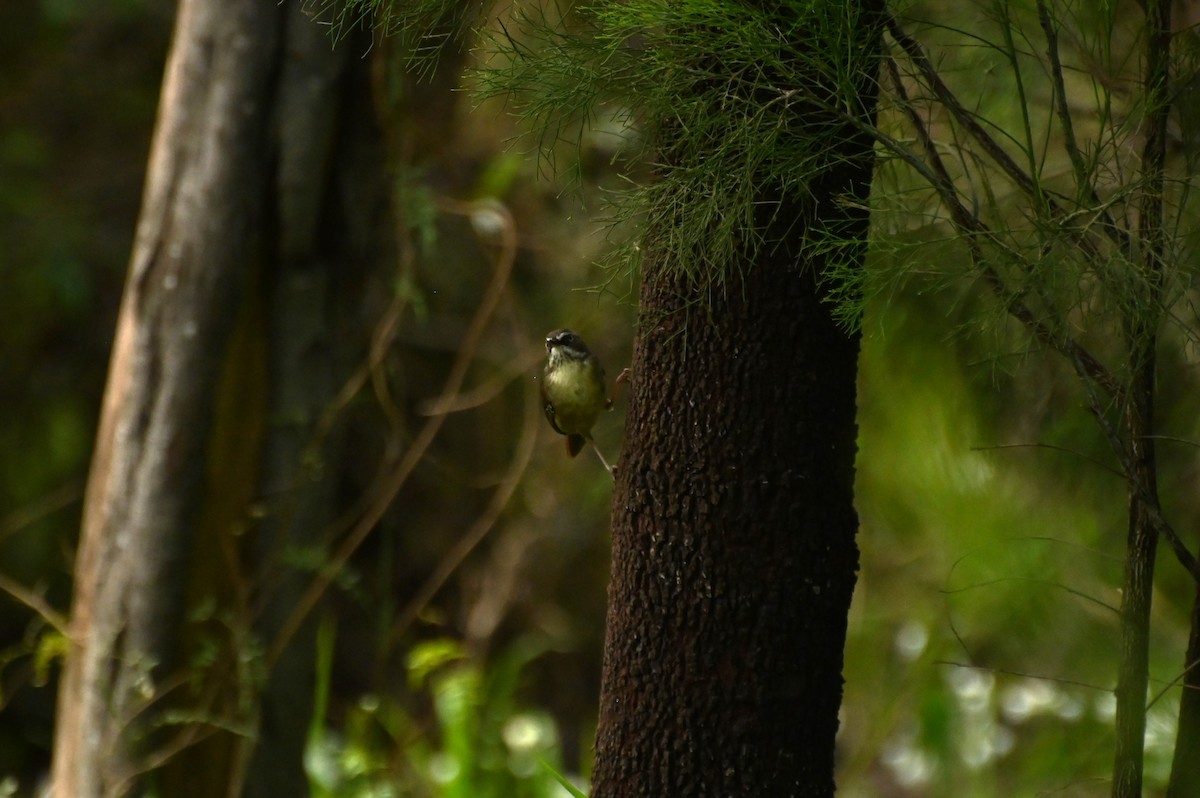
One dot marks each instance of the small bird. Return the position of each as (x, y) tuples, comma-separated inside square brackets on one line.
[(573, 390)]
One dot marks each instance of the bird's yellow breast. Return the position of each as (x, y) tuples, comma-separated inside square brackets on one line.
[(577, 393)]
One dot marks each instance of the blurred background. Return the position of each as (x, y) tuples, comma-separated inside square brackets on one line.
[(982, 645)]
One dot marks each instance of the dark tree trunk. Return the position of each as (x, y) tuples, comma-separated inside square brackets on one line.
[(734, 554), (328, 198)]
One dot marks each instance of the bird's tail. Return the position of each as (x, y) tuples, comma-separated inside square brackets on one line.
[(575, 443)]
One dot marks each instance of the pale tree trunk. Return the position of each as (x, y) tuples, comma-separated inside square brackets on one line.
[(266, 208), (202, 203), (157, 478)]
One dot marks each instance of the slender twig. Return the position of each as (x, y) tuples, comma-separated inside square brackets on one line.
[(1084, 183), (478, 530), (1162, 527), (36, 603), (1023, 674), (1040, 199), (487, 391), (1179, 677), (1180, 549), (381, 340), (1055, 448), (1022, 179), (1175, 439), (1032, 581), (1086, 365), (950, 102), (23, 517)]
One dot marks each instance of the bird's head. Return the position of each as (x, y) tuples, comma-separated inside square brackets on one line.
[(566, 345)]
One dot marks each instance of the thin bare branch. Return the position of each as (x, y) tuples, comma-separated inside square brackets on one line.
[(478, 530), (1021, 178), (395, 480), (21, 518), (1083, 182), (1086, 365), (1024, 675), (36, 603), (1055, 448)]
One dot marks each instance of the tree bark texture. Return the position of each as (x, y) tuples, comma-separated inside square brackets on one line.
[(734, 553), (734, 556)]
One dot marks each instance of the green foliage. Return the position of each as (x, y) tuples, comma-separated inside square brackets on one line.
[(52, 647), (1039, 172), (423, 27), (981, 656), (563, 781), (484, 745), (1075, 215), (414, 203), (737, 107)]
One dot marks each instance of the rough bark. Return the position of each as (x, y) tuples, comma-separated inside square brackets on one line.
[(734, 553), (734, 557)]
